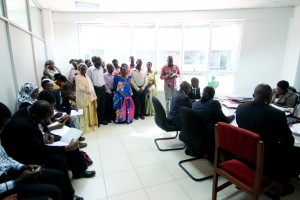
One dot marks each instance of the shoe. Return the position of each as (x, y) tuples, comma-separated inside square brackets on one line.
[(109, 121), (287, 189), (81, 139), (85, 174), (82, 145), (142, 117), (104, 122), (136, 118), (75, 197)]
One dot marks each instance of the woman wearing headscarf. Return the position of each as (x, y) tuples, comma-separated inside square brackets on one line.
[(28, 94), (122, 100), (86, 100)]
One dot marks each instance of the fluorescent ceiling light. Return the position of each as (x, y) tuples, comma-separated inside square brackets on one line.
[(86, 4)]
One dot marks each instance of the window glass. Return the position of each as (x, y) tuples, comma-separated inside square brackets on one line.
[(143, 44), (195, 45), (224, 47), (1, 8), (92, 41), (17, 12), (36, 19)]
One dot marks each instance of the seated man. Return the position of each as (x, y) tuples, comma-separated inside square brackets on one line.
[(211, 112), (283, 96), (179, 99), (281, 159), (195, 91), (24, 180), (24, 141)]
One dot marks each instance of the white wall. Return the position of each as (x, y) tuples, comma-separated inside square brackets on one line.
[(262, 50), (291, 70)]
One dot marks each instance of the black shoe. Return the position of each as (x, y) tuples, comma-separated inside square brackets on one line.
[(85, 174), (75, 197), (287, 189), (82, 145), (142, 117), (109, 121), (136, 118), (81, 139), (104, 122)]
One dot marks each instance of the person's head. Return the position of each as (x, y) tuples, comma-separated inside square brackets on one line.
[(195, 82), (50, 64), (207, 94), (88, 63), (149, 65), (115, 63), (282, 87), (170, 61), (82, 68), (66, 90), (185, 87), (97, 62), (5, 115), (110, 68), (80, 61), (93, 59), (29, 92), (131, 60), (40, 111), (263, 92), (124, 69), (47, 84), (55, 76), (139, 63), (61, 80), (47, 96)]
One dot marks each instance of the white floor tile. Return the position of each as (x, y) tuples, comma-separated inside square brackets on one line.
[(116, 164), (154, 174), (136, 146), (135, 195), (122, 182), (112, 150), (144, 158), (170, 190)]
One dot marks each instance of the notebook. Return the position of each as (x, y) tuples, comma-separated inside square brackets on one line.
[(67, 134)]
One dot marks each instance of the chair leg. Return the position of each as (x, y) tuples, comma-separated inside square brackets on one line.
[(215, 185), (188, 173), (168, 138)]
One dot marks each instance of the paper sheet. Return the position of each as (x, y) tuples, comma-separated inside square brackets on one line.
[(78, 112)]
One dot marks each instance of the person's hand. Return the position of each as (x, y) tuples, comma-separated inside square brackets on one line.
[(11, 197), (72, 145), (28, 173), (141, 90), (49, 139), (64, 119), (57, 115)]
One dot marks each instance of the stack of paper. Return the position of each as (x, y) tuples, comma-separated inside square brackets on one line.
[(67, 134), (76, 112)]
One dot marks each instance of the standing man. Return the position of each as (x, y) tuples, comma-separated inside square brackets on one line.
[(116, 66), (96, 74), (131, 65), (169, 73), (139, 83), (109, 92)]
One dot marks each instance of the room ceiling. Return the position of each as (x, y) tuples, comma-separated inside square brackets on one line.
[(158, 5)]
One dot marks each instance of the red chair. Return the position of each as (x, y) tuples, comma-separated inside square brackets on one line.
[(246, 146)]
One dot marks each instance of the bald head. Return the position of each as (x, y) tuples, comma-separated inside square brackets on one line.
[(263, 92), (185, 87)]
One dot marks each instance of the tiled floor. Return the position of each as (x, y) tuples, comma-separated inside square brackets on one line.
[(130, 167)]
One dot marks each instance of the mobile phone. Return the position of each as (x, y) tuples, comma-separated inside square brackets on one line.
[(38, 169)]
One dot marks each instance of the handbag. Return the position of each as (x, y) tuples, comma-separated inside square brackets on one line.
[(86, 158)]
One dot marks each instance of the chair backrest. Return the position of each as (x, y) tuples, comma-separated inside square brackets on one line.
[(293, 89), (193, 131), (238, 141), (160, 114)]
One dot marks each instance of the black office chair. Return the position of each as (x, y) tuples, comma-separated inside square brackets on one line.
[(161, 122), (193, 134)]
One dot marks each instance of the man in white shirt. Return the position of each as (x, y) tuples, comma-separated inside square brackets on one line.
[(96, 74), (139, 83)]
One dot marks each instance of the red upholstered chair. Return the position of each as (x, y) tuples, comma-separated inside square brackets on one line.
[(246, 146)]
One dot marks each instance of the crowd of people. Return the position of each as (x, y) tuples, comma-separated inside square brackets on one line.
[(32, 169)]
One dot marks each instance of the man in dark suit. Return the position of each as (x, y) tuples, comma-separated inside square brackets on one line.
[(271, 124), (210, 111), (195, 90), (179, 99)]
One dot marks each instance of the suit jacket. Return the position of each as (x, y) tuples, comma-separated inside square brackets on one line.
[(23, 140), (287, 100), (192, 94), (179, 99), (271, 124)]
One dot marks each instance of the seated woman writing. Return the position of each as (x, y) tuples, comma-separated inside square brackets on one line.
[(122, 100)]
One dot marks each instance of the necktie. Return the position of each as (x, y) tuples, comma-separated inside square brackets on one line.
[(194, 91)]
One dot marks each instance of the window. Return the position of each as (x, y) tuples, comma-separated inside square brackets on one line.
[(195, 46), (1, 8), (17, 12), (36, 19), (92, 41), (143, 43), (224, 47)]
